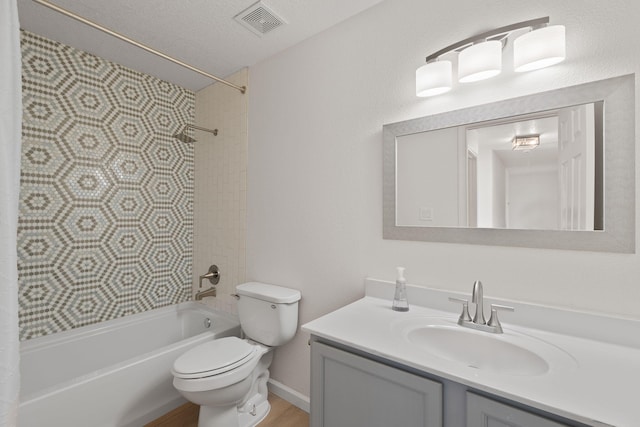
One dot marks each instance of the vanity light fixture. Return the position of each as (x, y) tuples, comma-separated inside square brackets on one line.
[(525, 143), (480, 56)]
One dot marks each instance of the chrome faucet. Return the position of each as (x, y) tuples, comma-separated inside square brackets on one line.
[(478, 322), (478, 300)]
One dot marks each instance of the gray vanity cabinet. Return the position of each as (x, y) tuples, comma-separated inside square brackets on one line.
[(489, 413), (348, 390)]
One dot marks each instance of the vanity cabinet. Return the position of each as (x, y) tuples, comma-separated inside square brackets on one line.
[(350, 390), (490, 413)]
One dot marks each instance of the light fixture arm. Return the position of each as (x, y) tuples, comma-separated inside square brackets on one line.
[(496, 34)]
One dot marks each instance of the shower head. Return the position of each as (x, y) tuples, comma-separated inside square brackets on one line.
[(183, 137)]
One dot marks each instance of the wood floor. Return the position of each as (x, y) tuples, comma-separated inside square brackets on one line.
[(282, 414)]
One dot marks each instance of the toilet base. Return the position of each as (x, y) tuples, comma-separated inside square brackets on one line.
[(211, 416), (248, 420), (230, 417)]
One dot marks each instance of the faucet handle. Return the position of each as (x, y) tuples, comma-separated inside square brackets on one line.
[(493, 320), (213, 275), (464, 316)]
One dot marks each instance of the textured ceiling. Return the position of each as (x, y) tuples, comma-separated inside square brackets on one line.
[(202, 33)]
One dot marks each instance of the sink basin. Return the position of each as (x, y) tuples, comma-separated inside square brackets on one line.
[(510, 353), (485, 352)]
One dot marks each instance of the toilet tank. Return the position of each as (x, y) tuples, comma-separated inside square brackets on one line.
[(268, 313)]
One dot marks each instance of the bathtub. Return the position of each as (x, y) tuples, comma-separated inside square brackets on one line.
[(115, 373)]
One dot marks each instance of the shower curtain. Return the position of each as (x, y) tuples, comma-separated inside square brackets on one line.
[(10, 139)]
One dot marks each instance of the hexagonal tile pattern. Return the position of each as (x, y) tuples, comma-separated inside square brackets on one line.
[(106, 207), (85, 141), (39, 202), (90, 102), (41, 156), (85, 224), (84, 182), (129, 167)]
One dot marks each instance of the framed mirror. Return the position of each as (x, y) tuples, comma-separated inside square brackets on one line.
[(549, 170)]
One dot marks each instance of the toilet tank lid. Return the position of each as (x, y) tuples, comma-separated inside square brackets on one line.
[(270, 293)]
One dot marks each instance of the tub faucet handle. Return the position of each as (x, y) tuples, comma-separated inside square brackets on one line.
[(213, 274)]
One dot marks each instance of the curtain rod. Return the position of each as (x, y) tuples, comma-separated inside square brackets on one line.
[(122, 37)]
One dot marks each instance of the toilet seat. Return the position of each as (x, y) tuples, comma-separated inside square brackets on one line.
[(214, 358), (203, 375)]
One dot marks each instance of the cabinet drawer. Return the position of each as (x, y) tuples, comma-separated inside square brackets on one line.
[(350, 390), (484, 412)]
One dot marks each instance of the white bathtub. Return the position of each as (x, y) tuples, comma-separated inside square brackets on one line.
[(115, 373)]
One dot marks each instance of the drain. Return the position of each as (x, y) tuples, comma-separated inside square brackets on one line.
[(207, 323)]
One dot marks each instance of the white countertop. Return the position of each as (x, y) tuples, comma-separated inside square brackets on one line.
[(591, 381)]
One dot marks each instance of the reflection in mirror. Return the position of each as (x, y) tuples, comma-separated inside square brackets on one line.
[(539, 171), (455, 177)]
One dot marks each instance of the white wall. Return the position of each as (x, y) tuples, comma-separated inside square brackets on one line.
[(498, 199), (485, 168), (427, 177), (315, 159), (533, 199)]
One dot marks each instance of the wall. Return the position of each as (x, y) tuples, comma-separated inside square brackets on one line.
[(486, 167), (106, 202), (498, 197), (315, 159), (427, 177), (533, 199), (220, 188)]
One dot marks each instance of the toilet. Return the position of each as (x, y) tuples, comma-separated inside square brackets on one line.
[(228, 376)]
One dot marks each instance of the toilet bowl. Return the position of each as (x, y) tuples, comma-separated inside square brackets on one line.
[(228, 377)]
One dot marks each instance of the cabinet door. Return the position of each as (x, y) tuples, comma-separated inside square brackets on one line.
[(352, 391), (483, 412)]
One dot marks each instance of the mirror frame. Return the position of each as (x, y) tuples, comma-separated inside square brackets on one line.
[(618, 97)]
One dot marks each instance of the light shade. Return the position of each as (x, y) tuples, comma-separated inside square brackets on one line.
[(539, 48), (480, 61), (433, 78)]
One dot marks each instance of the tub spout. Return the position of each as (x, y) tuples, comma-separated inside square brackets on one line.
[(211, 292)]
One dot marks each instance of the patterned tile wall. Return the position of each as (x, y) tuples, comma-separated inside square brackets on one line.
[(106, 202)]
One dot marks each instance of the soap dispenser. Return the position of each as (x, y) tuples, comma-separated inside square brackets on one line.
[(400, 302)]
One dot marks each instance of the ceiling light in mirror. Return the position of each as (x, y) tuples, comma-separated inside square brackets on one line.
[(525, 143)]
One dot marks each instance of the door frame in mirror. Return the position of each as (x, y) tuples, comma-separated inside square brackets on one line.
[(618, 97)]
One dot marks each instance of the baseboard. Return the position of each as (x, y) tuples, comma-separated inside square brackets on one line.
[(290, 395)]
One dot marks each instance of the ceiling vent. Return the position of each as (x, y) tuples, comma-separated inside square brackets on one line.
[(259, 19)]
